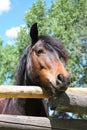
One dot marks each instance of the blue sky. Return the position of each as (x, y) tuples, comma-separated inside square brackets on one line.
[(12, 17)]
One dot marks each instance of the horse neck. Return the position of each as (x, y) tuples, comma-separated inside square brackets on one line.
[(35, 107), (31, 107)]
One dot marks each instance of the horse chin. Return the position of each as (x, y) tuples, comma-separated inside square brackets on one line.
[(57, 89)]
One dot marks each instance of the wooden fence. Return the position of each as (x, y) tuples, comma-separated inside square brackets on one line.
[(74, 100)]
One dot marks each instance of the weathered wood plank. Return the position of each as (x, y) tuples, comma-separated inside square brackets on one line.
[(69, 124), (31, 91), (74, 100), (9, 122), (70, 102), (77, 90), (22, 92)]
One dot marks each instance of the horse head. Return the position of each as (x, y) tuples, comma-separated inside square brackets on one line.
[(44, 65)]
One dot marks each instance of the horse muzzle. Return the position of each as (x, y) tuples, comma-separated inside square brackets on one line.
[(60, 85)]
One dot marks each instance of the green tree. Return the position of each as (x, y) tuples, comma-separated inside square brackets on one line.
[(22, 41), (38, 13), (66, 19), (8, 62)]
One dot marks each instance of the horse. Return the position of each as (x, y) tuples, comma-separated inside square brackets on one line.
[(40, 65)]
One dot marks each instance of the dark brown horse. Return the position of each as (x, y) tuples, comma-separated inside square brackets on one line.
[(40, 65)]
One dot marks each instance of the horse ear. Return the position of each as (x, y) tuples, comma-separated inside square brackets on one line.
[(34, 33)]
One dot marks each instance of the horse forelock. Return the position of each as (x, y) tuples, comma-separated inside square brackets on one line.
[(56, 44)]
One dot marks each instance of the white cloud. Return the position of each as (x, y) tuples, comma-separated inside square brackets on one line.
[(12, 32), (4, 6)]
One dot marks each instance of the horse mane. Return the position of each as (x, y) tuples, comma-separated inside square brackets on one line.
[(20, 71)]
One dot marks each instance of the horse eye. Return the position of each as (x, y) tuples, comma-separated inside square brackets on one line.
[(40, 51)]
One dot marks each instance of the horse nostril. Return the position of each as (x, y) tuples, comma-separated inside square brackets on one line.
[(60, 77)]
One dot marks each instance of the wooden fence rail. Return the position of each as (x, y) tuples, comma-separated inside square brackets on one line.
[(31, 91), (74, 100), (10, 122)]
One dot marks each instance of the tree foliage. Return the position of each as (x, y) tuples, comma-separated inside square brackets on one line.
[(8, 62), (66, 19)]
